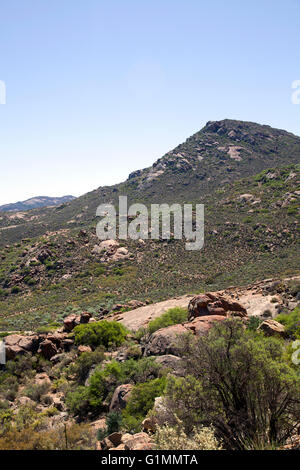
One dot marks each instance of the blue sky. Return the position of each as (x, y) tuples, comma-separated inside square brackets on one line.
[(97, 89)]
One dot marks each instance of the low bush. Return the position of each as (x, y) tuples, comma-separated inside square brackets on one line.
[(141, 401), (113, 424), (243, 385), (175, 438), (104, 333), (291, 322)]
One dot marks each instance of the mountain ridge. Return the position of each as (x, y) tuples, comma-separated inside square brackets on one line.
[(35, 202)]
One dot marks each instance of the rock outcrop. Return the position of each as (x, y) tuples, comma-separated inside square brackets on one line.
[(120, 397), (272, 328), (214, 304)]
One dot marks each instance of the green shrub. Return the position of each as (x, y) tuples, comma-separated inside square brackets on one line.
[(254, 323), (113, 424), (240, 382), (172, 316), (104, 333), (291, 322), (36, 391), (80, 369), (141, 401), (78, 401)]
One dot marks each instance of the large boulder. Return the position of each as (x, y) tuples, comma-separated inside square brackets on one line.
[(73, 320), (120, 397), (272, 328), (201, 325), (139, 441), (163, 341), (20, 345), (47, 349), (214, 304), (70, 322), (173, 364)]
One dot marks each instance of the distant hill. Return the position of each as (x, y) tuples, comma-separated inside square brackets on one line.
[(35, 202)]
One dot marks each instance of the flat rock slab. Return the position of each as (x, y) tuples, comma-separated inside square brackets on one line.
[(139, 317)]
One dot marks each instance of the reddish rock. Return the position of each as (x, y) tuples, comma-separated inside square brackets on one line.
[(115, 438), (85, 317), (163, 341), (18, 345), (83, 349), (139, 441), (70, 322), (272, 328), (47, 349), (202, 325), (214, 304)]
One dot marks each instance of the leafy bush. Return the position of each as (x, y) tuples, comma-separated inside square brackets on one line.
[(78, 401), (254, 323), (175, 438), (82, 366), (104, 333), (113, 423), (172, 316), (291, 322), (242, 385), (103, 382), (36, 391), (141, 401)]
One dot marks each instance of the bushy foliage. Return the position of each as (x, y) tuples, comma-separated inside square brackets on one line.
[(82, 366), (104, 333), (242, 385), (140, 402), (36, 391), (29, 430), (291, 322), (113, 423), (103, 382), (175, 438), (172, 316)]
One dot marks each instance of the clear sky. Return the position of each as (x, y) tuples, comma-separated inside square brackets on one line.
[(98, 88)]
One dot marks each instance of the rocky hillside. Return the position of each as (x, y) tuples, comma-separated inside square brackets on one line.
[(123, 383), (52, 261), (103, 339), (35, 202)]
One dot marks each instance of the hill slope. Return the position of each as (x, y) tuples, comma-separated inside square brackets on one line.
[(246, 175)]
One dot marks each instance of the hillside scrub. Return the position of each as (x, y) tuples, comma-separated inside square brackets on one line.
[(104, 333), (291, 322), (93, 398), (175, 438), (242, 385), (141, 401)]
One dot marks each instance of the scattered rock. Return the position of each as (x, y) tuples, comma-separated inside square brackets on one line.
[(272, 328), (120, 397), (47, 349), (83, 349), (214, 304), (139, 441)]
